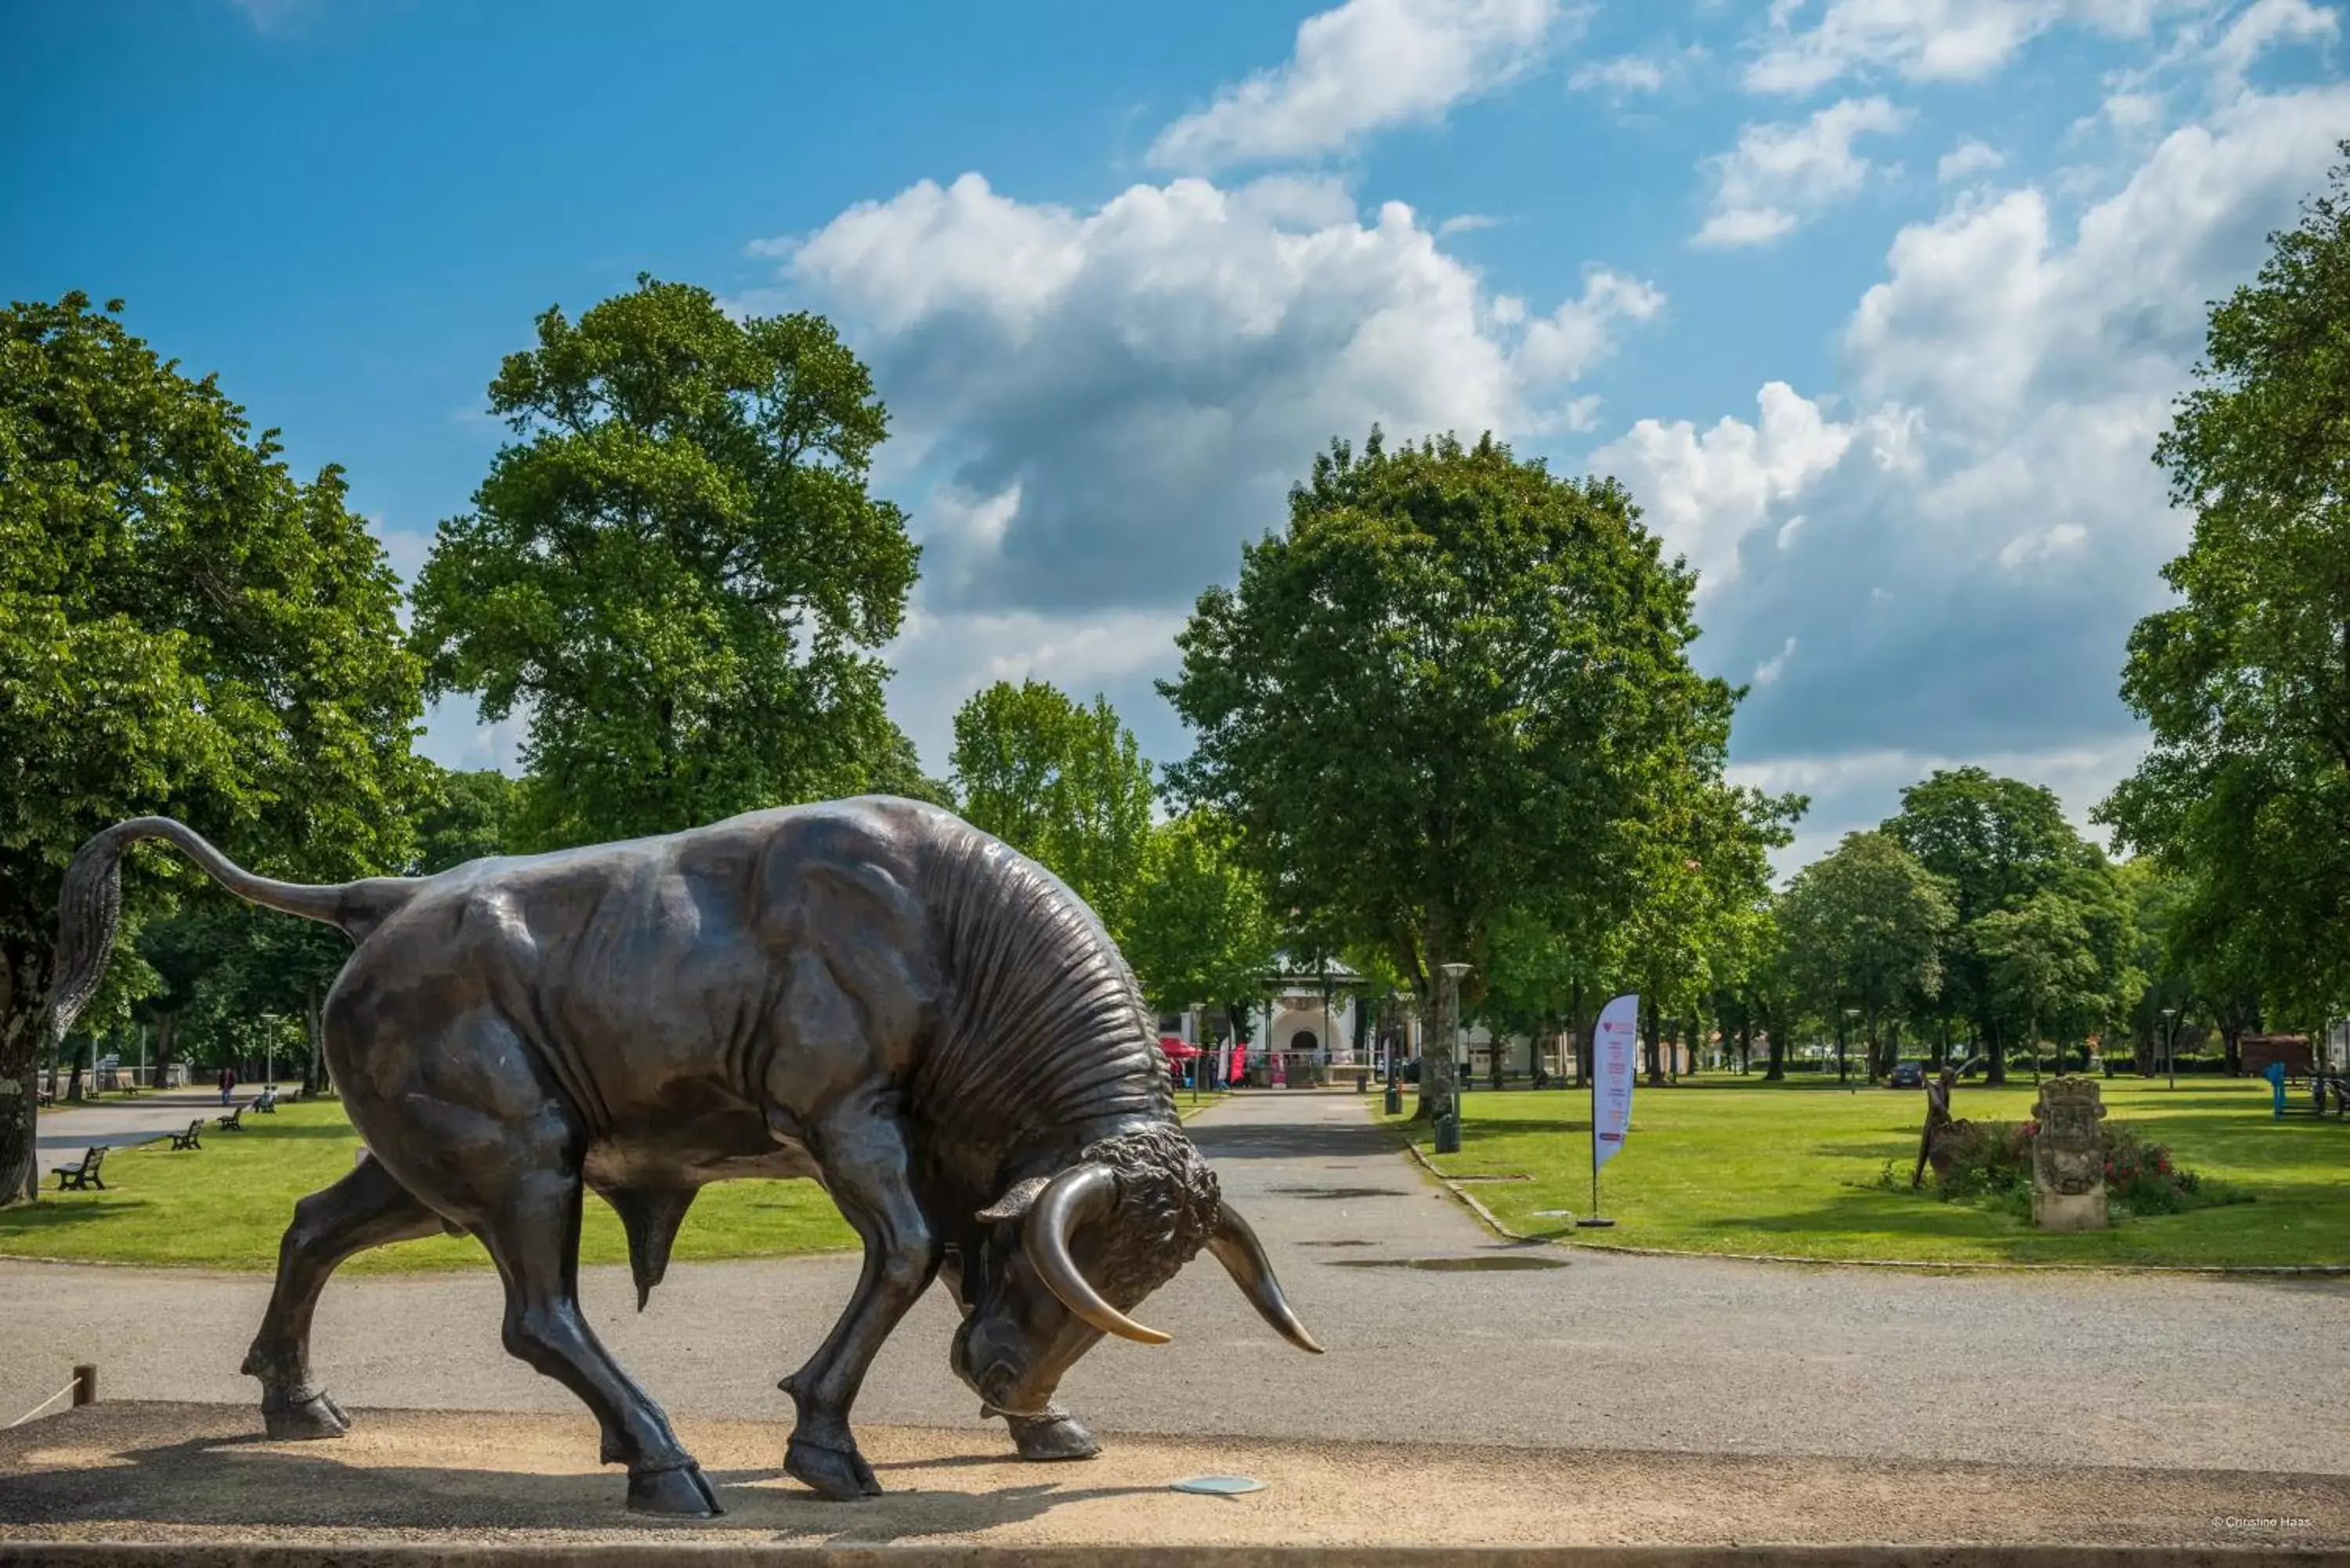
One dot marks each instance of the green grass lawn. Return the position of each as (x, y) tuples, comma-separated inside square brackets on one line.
[(1730, 1164), (225, 1206)]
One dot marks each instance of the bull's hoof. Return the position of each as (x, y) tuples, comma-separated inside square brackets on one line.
[(679, 1492), (1050, 1439), (316, 1417), (831, 1473)]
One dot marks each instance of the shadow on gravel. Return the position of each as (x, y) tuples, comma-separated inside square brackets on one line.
[(238, 1481), (1296, 1140)]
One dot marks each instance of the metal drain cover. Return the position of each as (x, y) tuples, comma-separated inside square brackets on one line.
[(1220, 1485)]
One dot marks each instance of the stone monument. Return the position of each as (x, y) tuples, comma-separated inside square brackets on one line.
[(2068, 1160)]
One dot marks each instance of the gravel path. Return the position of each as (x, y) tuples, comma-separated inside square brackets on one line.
[(1602, 1352)]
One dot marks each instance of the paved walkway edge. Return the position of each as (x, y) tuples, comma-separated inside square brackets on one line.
[(413, 1554), (1492, 1222)]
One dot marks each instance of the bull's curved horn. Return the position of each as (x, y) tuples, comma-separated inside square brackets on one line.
[(1080, 1193), (1242, 1256)]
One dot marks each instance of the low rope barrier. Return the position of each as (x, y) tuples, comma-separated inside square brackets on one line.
[(70, 1385)]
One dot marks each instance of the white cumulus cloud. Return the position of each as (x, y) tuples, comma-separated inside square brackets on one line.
[(1361, 67), (2266, 24), (1771, 668), (1969, 158), (1962, 554), (1779, 174), (1704, 490), (1926, 40), (1104, 403)]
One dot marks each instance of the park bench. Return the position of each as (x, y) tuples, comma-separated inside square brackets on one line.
[(76, 1177), (189, 1139), (234, 1121), (266, 1102)]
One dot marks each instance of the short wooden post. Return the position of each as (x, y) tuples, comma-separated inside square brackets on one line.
[(85, 1384)]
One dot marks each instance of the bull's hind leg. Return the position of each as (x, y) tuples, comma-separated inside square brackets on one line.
[(464, 1115), (534, 1234), (366, 1209), (862, 1145)]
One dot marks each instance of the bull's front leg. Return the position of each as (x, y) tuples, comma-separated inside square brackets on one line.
[(861, 1145)]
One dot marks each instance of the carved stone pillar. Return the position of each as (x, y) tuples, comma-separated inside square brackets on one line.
[(2068, 1159)]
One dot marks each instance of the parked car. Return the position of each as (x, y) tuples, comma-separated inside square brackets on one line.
[(1908, 1075)]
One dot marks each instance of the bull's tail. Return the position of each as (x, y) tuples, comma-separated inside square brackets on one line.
[(91, 904)]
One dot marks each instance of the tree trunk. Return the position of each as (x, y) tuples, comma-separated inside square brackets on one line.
[(1775, 1039), (1745, 1042), (1438, 1076), (1582, 1024), (167, 1042), (315, 1069), (23, 995), (1994, 1053)]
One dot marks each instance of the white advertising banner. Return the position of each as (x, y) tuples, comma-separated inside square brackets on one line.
[(1615, 1062)]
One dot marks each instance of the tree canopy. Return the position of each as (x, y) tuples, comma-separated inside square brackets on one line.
[(1867, 928), (185, 627), (1063, 782), (675, 569), (1198, 932), (1451, 689), (1995, 842), (2246, 682), (462, 815)]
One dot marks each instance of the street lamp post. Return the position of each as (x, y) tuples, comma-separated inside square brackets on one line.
[(1843, 1072), (2170, 1044), (1448, 1120)]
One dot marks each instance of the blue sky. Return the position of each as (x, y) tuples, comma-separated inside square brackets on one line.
[(1877, 305)]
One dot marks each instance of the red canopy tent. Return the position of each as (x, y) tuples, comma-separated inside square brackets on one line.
[(1177, 1049)]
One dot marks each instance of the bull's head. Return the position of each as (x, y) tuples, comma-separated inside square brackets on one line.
[(1064, 1257)]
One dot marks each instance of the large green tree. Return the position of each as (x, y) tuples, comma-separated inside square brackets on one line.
[(463, 814), (1198, 931), (185, 627), (1063, 782), (1997, 842), (675, 569), (1448, 691), (2060, 959), (2245, 794), (1867, 928), (895, 768)]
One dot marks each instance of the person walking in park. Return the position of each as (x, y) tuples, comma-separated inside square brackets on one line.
[(227, 1083)]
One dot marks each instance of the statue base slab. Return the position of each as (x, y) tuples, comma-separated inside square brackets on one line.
[(197, 1484)]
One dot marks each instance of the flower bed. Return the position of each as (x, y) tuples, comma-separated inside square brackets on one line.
[(1989, 1164)]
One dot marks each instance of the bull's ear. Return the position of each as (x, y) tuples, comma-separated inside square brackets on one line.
[(1018, 1200)]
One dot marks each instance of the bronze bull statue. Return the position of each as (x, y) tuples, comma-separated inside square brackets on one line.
[(871, 992)]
